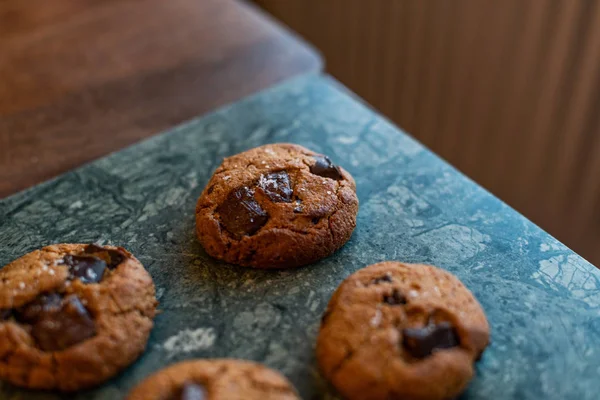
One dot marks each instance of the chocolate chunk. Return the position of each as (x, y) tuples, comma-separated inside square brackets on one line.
[(59, 326), (420, 342), (192, 391), (277, 186), (112, 257), (394, 299), (325, 168), (45, 303), (57, 323), (298, 208), (5, 314), (88, 269), (384, 278), (240, 213)]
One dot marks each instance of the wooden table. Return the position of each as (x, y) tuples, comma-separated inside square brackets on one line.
[(82, 78)]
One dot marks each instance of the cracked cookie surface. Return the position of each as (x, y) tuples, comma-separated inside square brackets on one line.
[(215, 379), (401, 331), (276, 206), (73, 315)]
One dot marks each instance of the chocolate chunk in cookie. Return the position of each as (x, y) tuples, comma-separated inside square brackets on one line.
[(384, 278), (421, 342), (221, 379), (5, 314), (90, 264), (112, 257), (298, 206), (240, 214), (192, 391), (275, 207), (57, 323), (86, 268), (45, 303), (75, 316), (277, 186), (395, 298), (325, 168), (416, 323)]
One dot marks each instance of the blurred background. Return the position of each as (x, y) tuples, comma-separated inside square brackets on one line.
[(507, 91)]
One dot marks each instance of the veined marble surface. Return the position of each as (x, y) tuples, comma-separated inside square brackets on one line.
[(542, 300)]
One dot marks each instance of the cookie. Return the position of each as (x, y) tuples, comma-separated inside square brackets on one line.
[(217, 379), (401, 331), (276, 206), (72, 316)]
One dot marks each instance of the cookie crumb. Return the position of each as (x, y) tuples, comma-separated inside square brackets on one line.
[(77, 204)]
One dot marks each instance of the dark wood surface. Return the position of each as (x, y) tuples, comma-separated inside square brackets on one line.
[(82, 78)]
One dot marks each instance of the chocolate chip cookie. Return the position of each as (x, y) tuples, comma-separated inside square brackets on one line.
[(276, 206), (217, 379), (401, 331), (72, 315)]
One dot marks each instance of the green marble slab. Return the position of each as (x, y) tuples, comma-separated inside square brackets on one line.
[(542, 300)]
